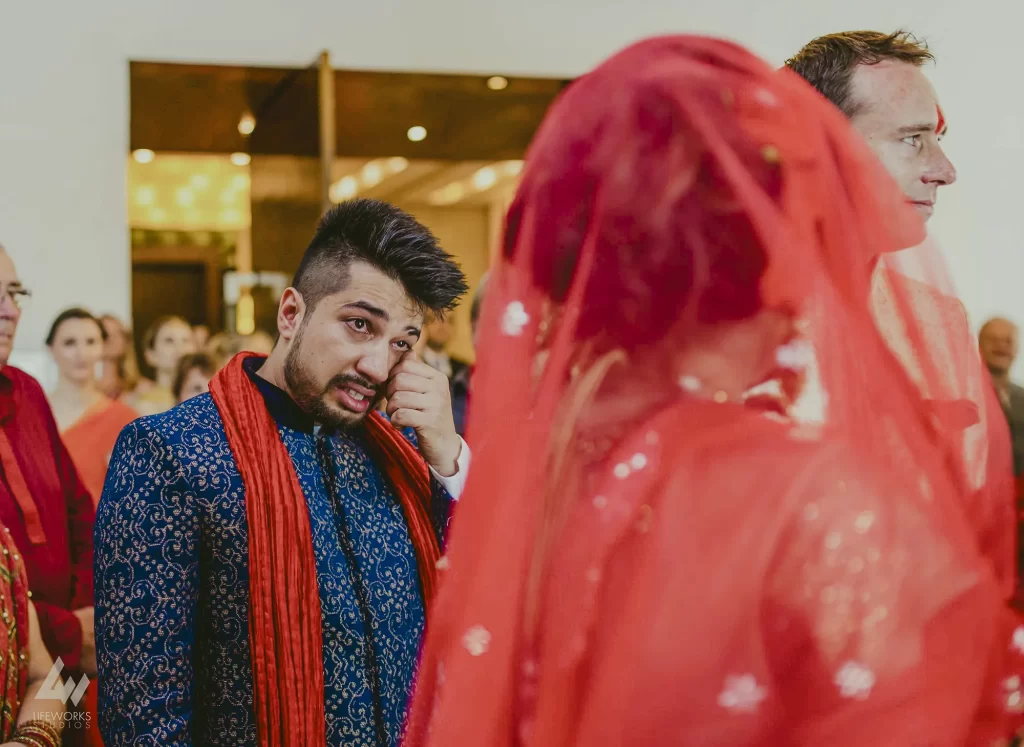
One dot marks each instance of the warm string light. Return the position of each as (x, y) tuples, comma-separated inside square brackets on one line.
[(145, 195), (482, 180), (143, 155), (188, 193), (485, 178), (370, 175), (417, 134)]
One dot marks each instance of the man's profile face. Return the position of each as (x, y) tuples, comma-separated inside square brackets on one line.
[(10, 285), (899, 116), (339, 362), (998, 345)]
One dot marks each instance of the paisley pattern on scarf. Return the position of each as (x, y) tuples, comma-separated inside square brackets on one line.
[(172, 573)]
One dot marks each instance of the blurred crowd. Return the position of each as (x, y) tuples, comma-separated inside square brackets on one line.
[(103, 384)]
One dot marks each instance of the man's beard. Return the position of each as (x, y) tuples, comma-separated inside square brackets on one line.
[(312, 398)]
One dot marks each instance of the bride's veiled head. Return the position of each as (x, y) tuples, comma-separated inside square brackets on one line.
[(633, 181), (683, 189)]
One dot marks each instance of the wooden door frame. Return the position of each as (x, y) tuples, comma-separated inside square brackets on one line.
[(191, 255)]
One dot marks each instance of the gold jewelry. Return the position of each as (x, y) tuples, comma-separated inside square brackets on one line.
[(38, 734)]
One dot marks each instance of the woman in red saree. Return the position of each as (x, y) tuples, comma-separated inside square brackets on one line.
[(641, 558), (25, 718)]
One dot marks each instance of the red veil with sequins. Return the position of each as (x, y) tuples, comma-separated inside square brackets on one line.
[(641, 557)]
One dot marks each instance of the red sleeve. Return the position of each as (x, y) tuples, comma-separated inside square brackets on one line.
[(62, 633), (81, 517)]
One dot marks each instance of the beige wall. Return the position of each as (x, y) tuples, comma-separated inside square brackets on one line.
[(465, 233), (64, 110)]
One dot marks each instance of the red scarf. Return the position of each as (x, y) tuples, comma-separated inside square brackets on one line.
[(286, 640)]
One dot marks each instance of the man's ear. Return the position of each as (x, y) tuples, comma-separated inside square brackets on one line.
[(290, 313)]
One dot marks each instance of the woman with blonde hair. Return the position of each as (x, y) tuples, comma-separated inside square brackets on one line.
[(119, 376), (166, 341)]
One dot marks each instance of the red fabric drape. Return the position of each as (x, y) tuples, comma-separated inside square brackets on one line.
[(284, 602)]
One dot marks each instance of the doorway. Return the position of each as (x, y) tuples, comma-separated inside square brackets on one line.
[(178, 281)]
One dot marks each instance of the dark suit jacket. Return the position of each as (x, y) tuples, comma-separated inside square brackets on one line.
[(1015, 417), (459, 388)]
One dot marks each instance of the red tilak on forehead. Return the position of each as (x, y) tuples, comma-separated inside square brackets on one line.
[(942, 121)]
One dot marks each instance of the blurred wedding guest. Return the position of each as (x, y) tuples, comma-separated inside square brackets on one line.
[(201, 334), (998, 342), (44, 504), (222, 346), (165, 342), (461, 380), (226, 345), (195, 371), (119, 376), (89, 420), (438, 333), (259, 342)]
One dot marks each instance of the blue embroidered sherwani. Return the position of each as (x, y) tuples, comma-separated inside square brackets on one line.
[(172, 583)]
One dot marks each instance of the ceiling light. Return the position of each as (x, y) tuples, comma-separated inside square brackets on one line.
[(485, 178), (229, 196), (158, 215), (417, 134), (145, 195), (372, 174), (247, 123), (240, 181), (497, 83), (184, 196), (344, 189), (231, 216), (240, 159), (397, 165), (200, 181), (513, 168), (143, 155), (448, 195)]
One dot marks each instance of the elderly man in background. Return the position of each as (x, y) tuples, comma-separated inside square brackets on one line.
[(45, 505), (998, 342)]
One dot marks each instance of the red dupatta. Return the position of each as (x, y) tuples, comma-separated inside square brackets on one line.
[(286, 639)]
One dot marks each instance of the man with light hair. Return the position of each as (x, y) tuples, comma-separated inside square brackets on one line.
[(877, 80)]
